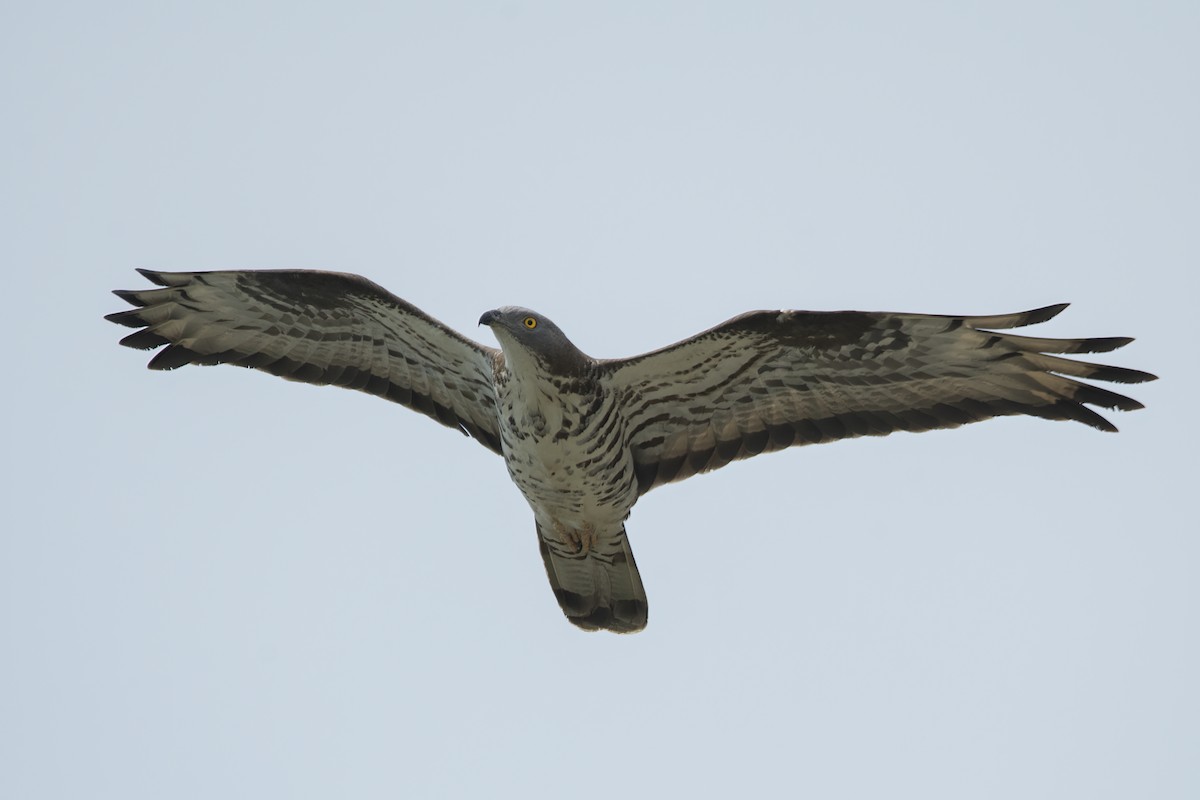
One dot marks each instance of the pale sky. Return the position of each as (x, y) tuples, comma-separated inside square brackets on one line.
[(218, 584)]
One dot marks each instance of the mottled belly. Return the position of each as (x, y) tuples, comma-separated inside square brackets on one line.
[(570, 483)]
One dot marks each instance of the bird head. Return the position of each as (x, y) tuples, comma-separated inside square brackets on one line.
[(523, 332)]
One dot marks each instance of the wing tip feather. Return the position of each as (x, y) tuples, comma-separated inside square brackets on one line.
[(1121, 374), (160, 278), (1042, 314), (172, 357), (131, 296), (1103, 344), (1018, 319), (130, 318)]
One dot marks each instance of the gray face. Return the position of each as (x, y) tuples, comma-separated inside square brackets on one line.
[(534, 333)]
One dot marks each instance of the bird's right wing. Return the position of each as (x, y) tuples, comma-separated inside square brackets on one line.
[(321, 328)]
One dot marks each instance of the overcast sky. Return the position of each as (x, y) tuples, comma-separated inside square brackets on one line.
[(218, 584)]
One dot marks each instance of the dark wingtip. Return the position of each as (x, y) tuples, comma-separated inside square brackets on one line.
[(130, 318), (173, 356), (1016, 320), (1081, 413), (152, 276), (1096, 396), (1042, 314), (1103, 344), (1121, 375), (144, 340), (129, 296)]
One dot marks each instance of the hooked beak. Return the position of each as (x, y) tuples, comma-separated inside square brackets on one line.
[(489, 318)]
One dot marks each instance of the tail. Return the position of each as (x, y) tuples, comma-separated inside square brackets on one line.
[(598, 589)]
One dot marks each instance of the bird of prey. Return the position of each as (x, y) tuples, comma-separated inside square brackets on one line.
[(584, 438)]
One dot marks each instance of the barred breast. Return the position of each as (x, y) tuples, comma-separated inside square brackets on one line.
[(564, 444)]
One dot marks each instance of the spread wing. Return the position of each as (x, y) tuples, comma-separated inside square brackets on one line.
[(317, 327), (767, 380)]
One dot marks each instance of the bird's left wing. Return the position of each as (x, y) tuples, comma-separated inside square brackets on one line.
[(767, 380), (317, 327)]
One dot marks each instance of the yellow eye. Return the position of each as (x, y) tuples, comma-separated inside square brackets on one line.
[(530, 323)]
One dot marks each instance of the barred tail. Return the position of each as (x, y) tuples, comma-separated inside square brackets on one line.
[(598, 588)]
